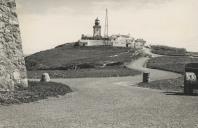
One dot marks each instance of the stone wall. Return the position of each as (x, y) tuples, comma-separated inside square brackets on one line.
[(12, 64)]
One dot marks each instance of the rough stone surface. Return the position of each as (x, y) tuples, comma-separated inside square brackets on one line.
[(45, 77), (12, 64)]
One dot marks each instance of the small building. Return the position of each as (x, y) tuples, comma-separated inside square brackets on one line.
[(122, 40), (139, 43)]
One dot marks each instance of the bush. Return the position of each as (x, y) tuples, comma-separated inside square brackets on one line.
[(84, 73)]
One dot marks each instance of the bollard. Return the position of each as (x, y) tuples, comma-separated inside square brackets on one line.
[(146, 77), (45, 77)]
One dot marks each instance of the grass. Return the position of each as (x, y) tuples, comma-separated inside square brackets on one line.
[(166, 85), (194, 54), (171, 63), (82, 73), (68, 56), (69, 61), (170, 51), (36, 91)]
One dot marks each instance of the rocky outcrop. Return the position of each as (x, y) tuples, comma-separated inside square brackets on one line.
[(12, 64)]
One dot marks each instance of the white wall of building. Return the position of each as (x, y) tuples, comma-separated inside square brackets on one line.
[(122, 41), (139, 45), (93, 42)]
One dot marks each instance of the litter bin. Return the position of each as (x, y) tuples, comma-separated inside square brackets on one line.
[(146, 76)]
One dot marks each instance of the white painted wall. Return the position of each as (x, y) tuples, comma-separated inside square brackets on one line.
[(122, 41), (93, 42), (139, 45)]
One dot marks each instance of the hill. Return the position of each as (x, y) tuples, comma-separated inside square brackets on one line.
[(171, 63), (101, 60), (166, 50)]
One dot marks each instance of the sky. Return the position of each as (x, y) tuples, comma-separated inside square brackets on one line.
[(45, 24)]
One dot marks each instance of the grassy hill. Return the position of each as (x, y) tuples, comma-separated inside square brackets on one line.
[(166, 50), (73, 61), (171, 63), (174, 59)]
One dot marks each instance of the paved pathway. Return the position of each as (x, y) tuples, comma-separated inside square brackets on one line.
[(154, 73), (106, 103)]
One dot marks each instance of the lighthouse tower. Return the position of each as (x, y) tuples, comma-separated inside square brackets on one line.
[(97, 29)]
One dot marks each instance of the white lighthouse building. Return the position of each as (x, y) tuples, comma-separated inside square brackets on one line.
[(115, 40), (97, 29), (96, 39)]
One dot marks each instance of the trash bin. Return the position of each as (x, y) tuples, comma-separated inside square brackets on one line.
[(146, 76)]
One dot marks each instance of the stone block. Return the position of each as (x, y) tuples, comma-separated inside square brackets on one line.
[(45, 77)]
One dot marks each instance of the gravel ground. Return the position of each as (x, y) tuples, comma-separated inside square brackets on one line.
[(104, 103), (107, 103)]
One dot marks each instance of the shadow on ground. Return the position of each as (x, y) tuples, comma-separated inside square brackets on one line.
[(180, 94)]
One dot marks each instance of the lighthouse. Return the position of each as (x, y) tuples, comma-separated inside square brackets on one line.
[(97, 29), (97, 39)]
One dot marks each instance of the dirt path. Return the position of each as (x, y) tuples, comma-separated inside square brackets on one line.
[(154, 73), (106, 103)]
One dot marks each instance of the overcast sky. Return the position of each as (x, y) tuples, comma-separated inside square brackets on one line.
[(47, 23)]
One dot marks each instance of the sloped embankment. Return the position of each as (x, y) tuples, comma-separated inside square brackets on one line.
[(69, 61)]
